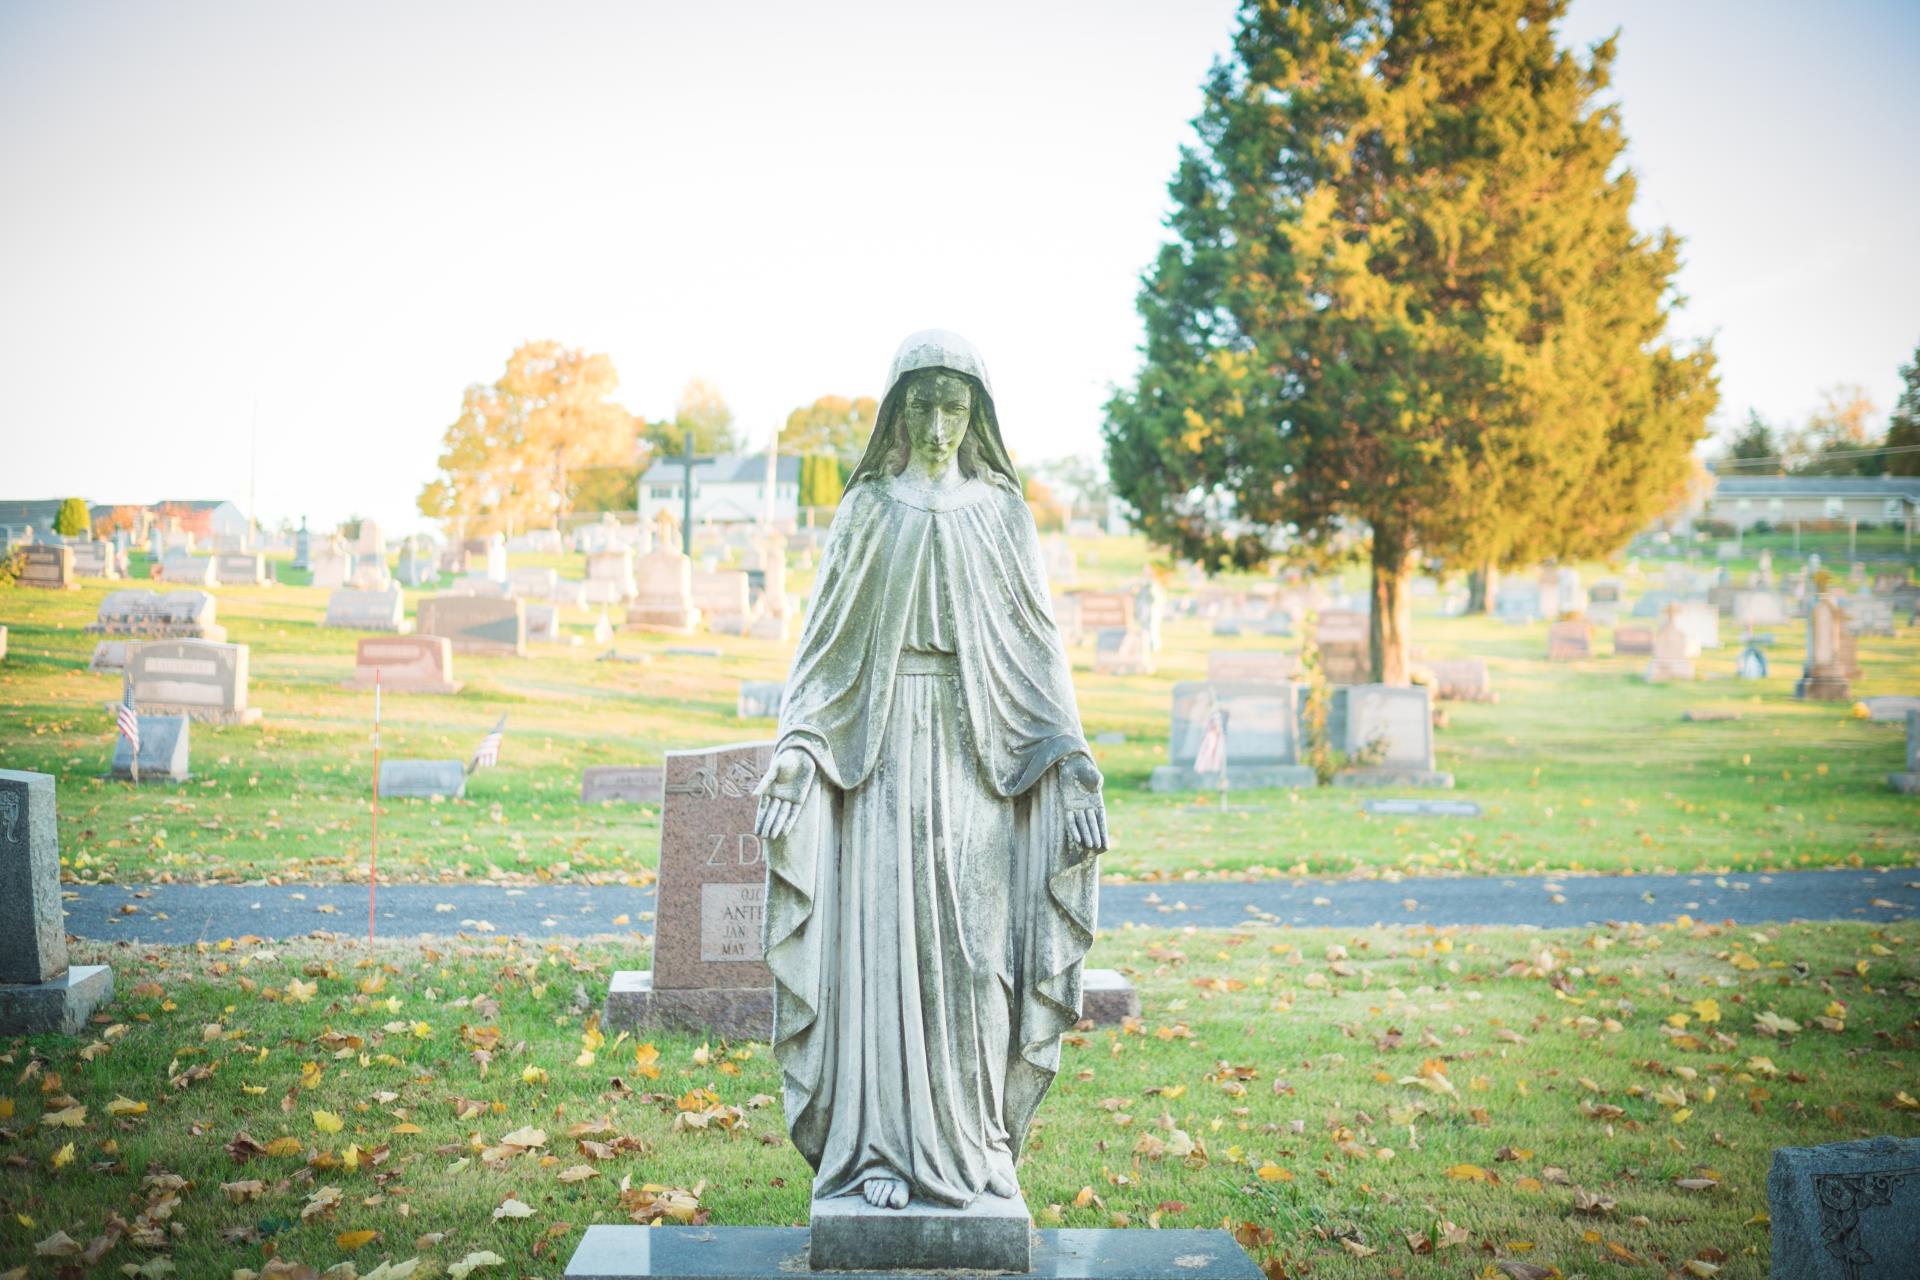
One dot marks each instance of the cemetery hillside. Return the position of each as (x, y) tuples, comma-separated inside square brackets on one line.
[(1357, 716)]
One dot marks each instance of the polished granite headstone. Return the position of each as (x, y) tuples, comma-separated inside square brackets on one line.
[(1846, 1211), (165, 746), (1908, 781), (40, 992), (422, 779), (781, 1253)]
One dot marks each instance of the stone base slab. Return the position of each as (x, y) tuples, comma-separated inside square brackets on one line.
[(1393, 778), (1909, 783), (1822, 688), (633, 1003), (199, 715), (58, 1007), (848, 1234), (780, 1253), (1240, 777)]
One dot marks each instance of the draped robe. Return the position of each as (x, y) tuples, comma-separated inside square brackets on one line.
[(927, 915)]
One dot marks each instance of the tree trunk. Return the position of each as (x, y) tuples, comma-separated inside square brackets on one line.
[(1482, 585), (1388, 624)]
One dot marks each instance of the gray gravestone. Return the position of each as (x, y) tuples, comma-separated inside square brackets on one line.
[(170, 615), (39, 991), (1826, 677), (241, 569), (1909, 781), (356, 610), (183, 568), (760, 699), (422, 779), (1122, 651), (416, 567), (1263, 736), (475, 624), (200, 679), (165, 744), (94, 558), (46, 567), (622, 784), (1846, 1211), (1397, 808), (1462, 680), (1390, 728)]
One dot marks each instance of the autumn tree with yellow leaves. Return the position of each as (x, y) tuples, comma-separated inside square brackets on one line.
[(517, 455)]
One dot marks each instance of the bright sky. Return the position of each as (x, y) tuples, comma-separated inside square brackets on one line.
[(344, 213)]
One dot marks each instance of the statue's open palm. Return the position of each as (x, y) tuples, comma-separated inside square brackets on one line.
[(782, 792), (1086, 809)]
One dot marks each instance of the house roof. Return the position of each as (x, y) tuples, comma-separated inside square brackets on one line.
[(195, 504), (1818, 487), (727, 468), (29, 510)]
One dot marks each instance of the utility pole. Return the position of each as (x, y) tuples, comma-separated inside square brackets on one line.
[(687, 463)]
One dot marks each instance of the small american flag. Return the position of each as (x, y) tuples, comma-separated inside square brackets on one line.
[(488, 754), (1212, 755), (130, 725)]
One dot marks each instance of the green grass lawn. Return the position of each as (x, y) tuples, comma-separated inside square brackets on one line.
[(1580, 766), (1346, 1101)]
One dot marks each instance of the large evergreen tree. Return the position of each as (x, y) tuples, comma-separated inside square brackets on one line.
[(1903, 427), (1403, 299)]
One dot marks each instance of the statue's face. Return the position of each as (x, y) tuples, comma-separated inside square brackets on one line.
[(936, 412)]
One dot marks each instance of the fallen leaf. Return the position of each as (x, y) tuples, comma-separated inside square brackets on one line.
[(511, 1208)]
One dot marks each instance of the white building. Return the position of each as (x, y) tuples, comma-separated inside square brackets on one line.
[(729, 490), (1781, 501)]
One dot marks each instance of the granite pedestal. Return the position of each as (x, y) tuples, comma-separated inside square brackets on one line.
[(60, 1006), (780, 1253), (848, 1234), (635, 1003)]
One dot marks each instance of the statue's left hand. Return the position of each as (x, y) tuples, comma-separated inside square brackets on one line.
[(782, 792), (1086, 811)]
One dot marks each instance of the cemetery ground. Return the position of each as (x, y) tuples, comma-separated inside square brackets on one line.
[(1579, 767), (1351, 1103)]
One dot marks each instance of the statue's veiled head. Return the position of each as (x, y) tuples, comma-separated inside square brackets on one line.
[(938, 407)]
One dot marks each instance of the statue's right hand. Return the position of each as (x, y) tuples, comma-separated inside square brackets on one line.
[(785, 788)]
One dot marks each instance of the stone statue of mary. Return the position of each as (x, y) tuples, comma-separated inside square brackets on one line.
[(931, 814)]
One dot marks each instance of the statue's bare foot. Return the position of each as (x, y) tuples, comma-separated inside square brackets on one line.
[(1003, 1186), (885, 1193)]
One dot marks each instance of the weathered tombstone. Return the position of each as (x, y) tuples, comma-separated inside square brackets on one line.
[(184, 569), (1518, 601), (723, 601), (1870, 615), (1752, 664), (663, 599), (1846, 1211), (1122, 652), (543, 626), (622, 784), (372, 543), (416, 567), (241, 569), (610, 576), (760, 699), (1262, 738), (172, 615), (370, 574), (1462, 680), (1654, 604), (1699, 620), (1909, 781), (1759, 609), (46, 567), (1389, 729), (1400, 808), (356, 610), (1604, 591), (1825, 678), (302, 546), (331, 567), (404, 664), (40, 992), (422, 779), (1674, 650), (479, 584), (1104, 610), (1569, 596), (1891, 708), (708, 971), (1267, 665), (1346, 648), (3, 644), (94, 558), (1632, 641), (200, 679), (475, 624), (485, 556), (533, 584), (1570, 641), (166, 745)]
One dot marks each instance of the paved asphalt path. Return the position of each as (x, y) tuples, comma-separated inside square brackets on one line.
[(193, 913)]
